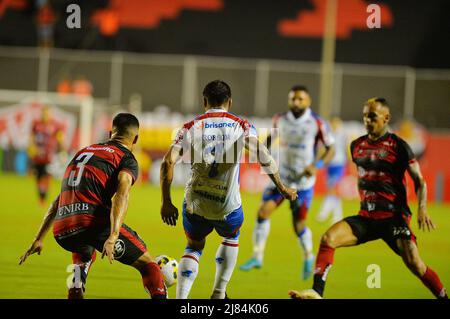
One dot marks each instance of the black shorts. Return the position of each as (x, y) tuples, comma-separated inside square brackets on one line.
[(40, 170), (129, 247), (388, 229)]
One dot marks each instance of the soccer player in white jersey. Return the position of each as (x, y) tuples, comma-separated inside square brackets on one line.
[(300, 130), (335, 171), (213, 144)]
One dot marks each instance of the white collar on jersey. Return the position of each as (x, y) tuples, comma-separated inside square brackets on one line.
[(304, 116), (216, 111)]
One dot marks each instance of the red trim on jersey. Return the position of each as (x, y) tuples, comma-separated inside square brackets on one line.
[(376, 214), (319, 135), (190, 256), (77, 221), (133, 239)]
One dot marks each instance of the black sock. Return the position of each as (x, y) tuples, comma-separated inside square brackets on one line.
[(319, 284)]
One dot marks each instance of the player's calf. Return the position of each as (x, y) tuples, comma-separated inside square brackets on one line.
[(152, 278)]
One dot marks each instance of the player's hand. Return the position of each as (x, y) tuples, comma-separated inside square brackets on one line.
[(289, 193), (310, 170), (35, 247), (169, 213), (108, 248), (424, 220)]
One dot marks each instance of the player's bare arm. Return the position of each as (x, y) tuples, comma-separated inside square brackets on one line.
[(169, 213), (119, 205), (324, 158), (420, 186), (267, 162), (37, 244)]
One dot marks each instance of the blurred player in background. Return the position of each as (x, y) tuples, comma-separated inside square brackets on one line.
[(89, 212), (45, 141), (215, 141), (299, 131), (332, 203), (382, 159)]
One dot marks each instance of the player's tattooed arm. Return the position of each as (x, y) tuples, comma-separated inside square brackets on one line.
[(37, 244), (420, 186), (169, 213), (269, 166), (119, 205)]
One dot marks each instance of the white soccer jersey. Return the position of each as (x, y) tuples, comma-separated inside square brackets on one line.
[(340, 148), (214, 142), (298, 142)]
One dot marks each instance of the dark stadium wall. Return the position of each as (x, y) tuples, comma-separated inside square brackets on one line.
[(413, 33)]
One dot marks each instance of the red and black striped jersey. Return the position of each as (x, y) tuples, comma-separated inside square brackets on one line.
[(45, 140), (381, 175), (89, 182)]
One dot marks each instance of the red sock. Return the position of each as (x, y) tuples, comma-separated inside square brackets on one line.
[(324, 259), (77, 258), (323, 263), (432, 281), (153, 281)]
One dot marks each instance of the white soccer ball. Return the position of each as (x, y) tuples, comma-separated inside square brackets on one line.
[(169, 269)]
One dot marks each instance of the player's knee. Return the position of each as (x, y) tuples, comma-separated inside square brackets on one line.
[(196, 244), (299, 226), (328, 239), (263, 213), (142, 261)]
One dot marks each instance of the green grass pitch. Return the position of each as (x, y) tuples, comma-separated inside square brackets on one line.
[(45, 276)]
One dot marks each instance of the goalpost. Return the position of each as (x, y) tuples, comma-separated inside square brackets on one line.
[(76, 114), (84, 105)]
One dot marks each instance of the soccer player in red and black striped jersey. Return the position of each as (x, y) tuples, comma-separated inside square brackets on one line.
[(382, 159), (88, 213), (45, 141)]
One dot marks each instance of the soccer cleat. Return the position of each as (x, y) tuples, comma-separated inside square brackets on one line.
[(76, 293), (250, 264), (308, 267), (213, 296), (305, 294)]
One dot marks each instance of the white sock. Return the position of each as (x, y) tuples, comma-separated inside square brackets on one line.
[(337, 211), (260, 234), (305, 238), (226, 258), (187, 272)]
